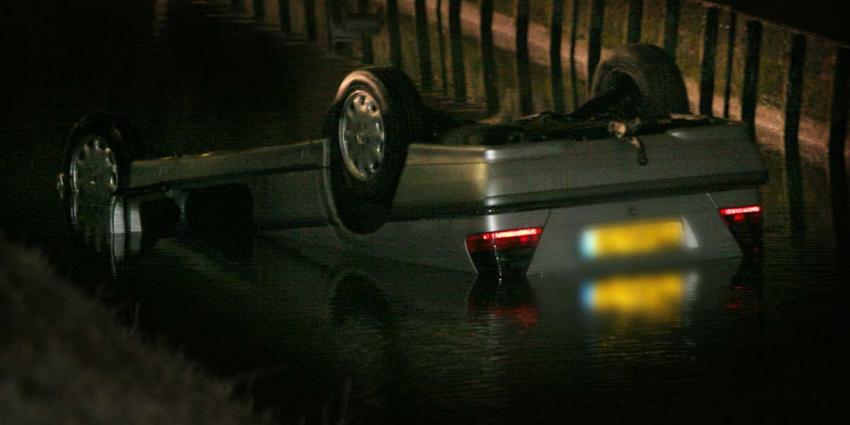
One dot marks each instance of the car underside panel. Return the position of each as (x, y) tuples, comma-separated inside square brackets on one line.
[(454, 179), (212, 167), (440, 241)]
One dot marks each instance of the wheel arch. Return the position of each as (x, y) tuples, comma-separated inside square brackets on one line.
[(103, 120)]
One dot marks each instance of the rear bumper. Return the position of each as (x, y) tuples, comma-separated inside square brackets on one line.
[(440, 241), (706, 236)]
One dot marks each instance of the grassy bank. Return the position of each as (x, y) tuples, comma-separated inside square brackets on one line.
[(65, 359)]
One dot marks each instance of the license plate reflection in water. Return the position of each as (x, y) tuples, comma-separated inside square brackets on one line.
[(656, 296)]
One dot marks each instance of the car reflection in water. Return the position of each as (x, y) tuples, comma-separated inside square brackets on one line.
[(312, 333)]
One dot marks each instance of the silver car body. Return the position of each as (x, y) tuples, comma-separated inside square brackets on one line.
[(448, 192)]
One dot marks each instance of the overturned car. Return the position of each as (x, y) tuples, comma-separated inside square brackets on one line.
[(628, 176)]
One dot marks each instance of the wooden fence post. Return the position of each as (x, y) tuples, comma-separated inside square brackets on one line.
[(283, 14), (423, 44), (573, 36), (793, 102), (749, 92), (635, 21), (456, 39), (368, 54), (555, 66), (837, 137), (444, 77), (394, 34), (523, 66), (730, 61), (671, 26), (310, 19), (709, 46), (488, 59), (259, 8), (594, 38)]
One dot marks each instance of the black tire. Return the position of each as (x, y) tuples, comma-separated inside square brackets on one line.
[(363, 203), (650, 71)]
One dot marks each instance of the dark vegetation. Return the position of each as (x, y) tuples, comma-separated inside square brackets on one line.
[(65, 358)]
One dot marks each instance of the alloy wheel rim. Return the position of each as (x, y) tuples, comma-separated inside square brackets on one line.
[(93, 182), (361, 135)]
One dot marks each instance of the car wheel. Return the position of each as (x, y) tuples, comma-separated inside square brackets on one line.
[(95, 168), (647, 78), (376, 115)]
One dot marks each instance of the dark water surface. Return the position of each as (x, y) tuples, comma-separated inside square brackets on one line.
[(313, 335)]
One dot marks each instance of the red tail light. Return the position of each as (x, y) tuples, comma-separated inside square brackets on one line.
[(503, 240), (503, 251), (745, 223), (739, 214)]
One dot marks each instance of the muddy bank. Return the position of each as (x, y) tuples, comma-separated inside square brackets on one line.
[(64, 358)]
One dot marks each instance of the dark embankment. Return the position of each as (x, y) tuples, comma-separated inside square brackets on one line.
[(65, 359)]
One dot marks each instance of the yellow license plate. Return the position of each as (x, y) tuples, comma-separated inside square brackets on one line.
[(632, 239), (646, 295)]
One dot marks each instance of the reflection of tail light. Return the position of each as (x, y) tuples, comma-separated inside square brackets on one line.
[(745, 223), (526, 315), (504, 251)]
